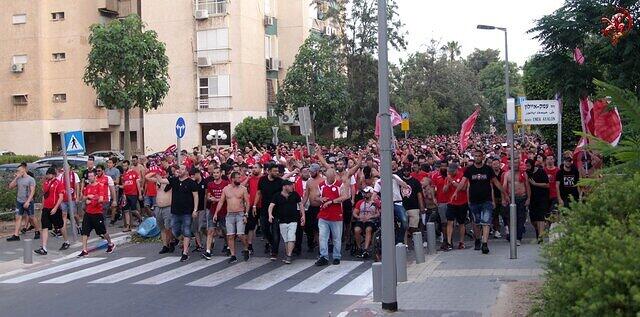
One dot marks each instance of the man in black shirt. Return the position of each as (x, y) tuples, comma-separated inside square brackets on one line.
[(286, 210), (184, 203), (567, 180), (412, 200), (539, 201), (268, 186), (480, 178), (199, 223)]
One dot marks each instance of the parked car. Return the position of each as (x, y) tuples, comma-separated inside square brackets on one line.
[(36, 168), (75, 161), (108, 154), (5, 152)]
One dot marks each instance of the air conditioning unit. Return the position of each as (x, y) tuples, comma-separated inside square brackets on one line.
[(272, 64), (17, 68), (269, 20), (202, 14), (287, 119), (204, 62), (99, 103)]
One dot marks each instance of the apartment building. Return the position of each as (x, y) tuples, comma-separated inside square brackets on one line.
[(226, 60)]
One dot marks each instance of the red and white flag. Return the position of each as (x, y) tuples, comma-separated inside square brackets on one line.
[(467, 127), (395, 120), (599, 121)]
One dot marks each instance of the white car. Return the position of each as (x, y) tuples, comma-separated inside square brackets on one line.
[(108, 154)]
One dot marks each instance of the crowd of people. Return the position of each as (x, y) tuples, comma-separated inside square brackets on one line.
[(327, 196)]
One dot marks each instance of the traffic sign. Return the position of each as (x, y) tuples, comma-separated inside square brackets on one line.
[(540, 112), (74, 142), (404, 125), (404, 115), (304, 117), (181, 127), (522, 100)]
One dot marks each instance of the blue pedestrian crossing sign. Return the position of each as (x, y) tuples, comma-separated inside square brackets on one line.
[(74, 142), (181, 127)]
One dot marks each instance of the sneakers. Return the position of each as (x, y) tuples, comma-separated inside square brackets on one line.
[(477, 245), (443, 246), (460, 245), (226, 251), (197, 249), (65, 245), (245, 255), (40, 251), (449, 247), (365, 255), (164, 250), (518, 242), (232, 259), (36, 236), (251, 249), (111, 247), (79, 230), (206, 255), (497, 234), (83, 254), (322, 261), (485, 248), (336, 261), (13, 238), (184, 257), (273, 257), (287, 260)]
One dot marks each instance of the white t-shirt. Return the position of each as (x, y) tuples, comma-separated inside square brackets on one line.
[(397, 195)]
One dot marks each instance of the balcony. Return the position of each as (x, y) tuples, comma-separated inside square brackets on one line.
[(213, 7), (214, 102)]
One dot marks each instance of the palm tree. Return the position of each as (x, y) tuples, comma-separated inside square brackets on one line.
[(451, 49)]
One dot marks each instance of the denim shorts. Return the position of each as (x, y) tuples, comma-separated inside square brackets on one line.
[(21, 211), (482, 212), (64, 206), (150, 201), (235, 223), (181, 225)]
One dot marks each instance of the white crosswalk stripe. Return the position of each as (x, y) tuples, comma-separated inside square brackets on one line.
[(324, 278), (51, 270), (138, 270), (181, 271), (276, 276), (360, 286), (92, 270), (229, 273)]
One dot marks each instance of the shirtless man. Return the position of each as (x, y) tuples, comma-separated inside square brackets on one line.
[(312, 195), (522, 195), (236, 197)]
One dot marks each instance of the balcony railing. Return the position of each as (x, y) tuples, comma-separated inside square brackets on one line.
[(213, 7), (214, 102)]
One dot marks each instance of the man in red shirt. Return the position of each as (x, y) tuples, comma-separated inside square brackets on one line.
[(332, 193), (52, 192), (131, 187), (214, 193), (252, 220), (551, 169), (151, 188), (94, 196), (457, 206), (439, 179)]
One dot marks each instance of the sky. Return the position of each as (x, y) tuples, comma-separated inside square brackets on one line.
[(456, 20)]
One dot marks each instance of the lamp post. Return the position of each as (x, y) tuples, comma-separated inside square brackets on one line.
[(510, 121), (216, 135)]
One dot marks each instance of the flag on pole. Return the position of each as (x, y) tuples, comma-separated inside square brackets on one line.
[(395, 117), (467, 127)]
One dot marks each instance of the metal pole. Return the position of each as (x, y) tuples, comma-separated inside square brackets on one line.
[(27, 251), (178, 148), (513, 228), (431, 237), (376, 271), (389, 282), (401, 262), (67, 186), (559, 161), (306, 137), (418, 247)]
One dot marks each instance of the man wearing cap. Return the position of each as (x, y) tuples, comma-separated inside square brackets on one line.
[(286, 210), (312, 196), (367, 215), (53, 193)]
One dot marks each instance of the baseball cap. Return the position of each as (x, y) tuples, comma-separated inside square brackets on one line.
[(368, 189), (314, 168)]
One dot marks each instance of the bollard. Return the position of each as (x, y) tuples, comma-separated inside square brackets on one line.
[(401, 262), (417, 247), (27, 251), (431, 238), (376, 271)]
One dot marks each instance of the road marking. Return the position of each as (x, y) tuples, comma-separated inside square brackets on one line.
[(360, 286), (181, 271), (52, 270), (276, 276), (91, 270), (138, 270), (229, 273), (321, 280)]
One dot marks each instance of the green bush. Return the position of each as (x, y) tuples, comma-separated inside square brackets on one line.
[(7, 159), (593, 269), (258, 131), (8, 196)]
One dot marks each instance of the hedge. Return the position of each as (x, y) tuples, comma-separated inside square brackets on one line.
[(7, 159)]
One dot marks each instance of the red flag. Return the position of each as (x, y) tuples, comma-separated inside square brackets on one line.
[(467, 127), (600, 122), (395, 120)]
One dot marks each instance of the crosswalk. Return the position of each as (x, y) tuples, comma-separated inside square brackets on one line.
[(258, 274)]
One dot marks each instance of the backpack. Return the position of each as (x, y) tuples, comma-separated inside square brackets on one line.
[(149, 228)]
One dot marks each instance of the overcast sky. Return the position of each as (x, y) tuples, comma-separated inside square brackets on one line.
[(456, 20)]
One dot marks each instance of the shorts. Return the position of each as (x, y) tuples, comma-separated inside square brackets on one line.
[(181, 225), (131, 203), (235, 223), (64, 206), (21, 211), (366, 224), (163, 217), (93, 222), (288, 231), (206, 222), (149, 201), (538, 210), (50, 221), (442, 211), (457, 213), (482, 212), (414, 218), (196, 222), (347, 212), (553, 206), (252, 222)]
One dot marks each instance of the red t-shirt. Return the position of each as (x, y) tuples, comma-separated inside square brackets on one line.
[(150, 187), (252, 185), (551, 173), (419, 175), (333, 212), (215, 190), (94, 206), (130, 182), (439, 182), (51, 190), (461, 197), (298, 186)]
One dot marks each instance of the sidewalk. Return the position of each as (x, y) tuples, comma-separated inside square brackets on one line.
[(458, 283)]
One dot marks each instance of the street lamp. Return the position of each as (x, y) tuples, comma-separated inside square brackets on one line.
[(216, 135), (510, 121)]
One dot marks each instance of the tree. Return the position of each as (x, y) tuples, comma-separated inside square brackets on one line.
[(316, 80), (480, 59), (128, 68), (258, 131), (492, 82), (452, 49)]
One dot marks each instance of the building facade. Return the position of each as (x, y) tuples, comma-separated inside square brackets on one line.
[(226, 59)]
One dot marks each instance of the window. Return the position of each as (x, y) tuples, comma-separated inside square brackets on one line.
[(217, 86), (270, 47), (58, 57), (19, 100), (57, 16), (20, 59), (213, 39), (19, 18), (59, 97), (267, 7)]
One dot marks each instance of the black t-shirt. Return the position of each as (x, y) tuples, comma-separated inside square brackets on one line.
[(286, 208), (568, 183), (182, 195), (539, 193), (202, 192), (479, 183), (268, 188), (496, 191), (411, 202)]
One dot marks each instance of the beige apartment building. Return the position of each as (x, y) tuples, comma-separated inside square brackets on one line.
[(226, 61)]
